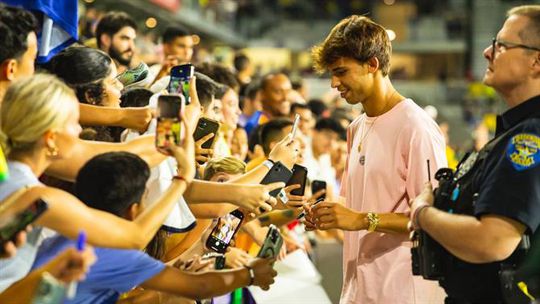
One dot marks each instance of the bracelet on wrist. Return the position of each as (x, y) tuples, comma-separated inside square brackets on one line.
[(251, 274), (268, 163), (415, 216), (373, 221)]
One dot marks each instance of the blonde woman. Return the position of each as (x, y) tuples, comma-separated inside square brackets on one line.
[(39, 123)]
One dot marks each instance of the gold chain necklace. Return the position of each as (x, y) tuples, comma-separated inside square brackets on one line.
[(364, 136), (367, 133)]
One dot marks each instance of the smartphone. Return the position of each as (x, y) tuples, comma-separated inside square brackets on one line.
[(278, 173), (49, 290), (20, 221), (219, 258), (224, 231), (295, 125), (318, 185), (179, 83), (299, 177), (206, 126), (168, 120), (272, 244)]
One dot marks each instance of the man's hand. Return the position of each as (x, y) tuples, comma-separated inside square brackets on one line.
[(185, 154), (286, 151), (423, 200), (71, 265), (330, 215), (169, 62), (293, 201), (309, 220), (137, 118), (193, 110), (10, 248), (236, 258), (203, 155), (253, 197), (264, 273), (195, 264)]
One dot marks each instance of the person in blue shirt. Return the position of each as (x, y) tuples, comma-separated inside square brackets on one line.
[(115, 182)]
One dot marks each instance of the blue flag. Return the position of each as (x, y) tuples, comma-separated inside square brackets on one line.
[(59, 28)]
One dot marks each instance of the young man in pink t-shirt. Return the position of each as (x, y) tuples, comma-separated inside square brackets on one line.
[(389, 147)]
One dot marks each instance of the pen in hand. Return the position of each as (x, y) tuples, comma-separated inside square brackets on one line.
[(71, 291)]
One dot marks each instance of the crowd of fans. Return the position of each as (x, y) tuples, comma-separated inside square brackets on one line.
[(82, 139)]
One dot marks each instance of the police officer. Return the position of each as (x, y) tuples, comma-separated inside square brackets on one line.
[(497, 191)]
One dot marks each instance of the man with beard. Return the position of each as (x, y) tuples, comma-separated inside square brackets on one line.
[(115, 35)]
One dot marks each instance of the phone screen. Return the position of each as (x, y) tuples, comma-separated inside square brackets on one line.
[(224, 231), (21, 220), (299, 176), (168, 120), (179, 83)]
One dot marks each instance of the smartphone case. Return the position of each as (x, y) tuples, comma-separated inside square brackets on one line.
[(272, 243), (278, 173), (206, 126), (299, 176)]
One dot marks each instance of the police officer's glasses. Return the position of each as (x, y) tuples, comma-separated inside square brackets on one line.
[(496, 45)]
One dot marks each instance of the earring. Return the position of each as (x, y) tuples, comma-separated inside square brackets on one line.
[(52, 151)]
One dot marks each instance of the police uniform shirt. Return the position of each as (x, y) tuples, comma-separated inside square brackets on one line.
[(507, 184)]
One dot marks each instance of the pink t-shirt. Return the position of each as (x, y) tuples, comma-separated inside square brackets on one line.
[(390, 170)]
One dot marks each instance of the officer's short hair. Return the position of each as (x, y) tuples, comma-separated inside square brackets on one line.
[(531, 33)]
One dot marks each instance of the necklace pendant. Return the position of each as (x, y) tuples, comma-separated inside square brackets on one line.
[(360, 147), (362, 160)]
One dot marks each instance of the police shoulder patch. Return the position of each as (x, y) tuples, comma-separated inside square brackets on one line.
[(523, 151)]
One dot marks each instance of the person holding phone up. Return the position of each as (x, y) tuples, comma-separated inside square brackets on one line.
[(388, 147)]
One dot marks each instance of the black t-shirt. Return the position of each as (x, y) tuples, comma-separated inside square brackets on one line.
[(507, 183)]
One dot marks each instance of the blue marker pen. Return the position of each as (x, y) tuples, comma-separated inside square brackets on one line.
[(71, 291)]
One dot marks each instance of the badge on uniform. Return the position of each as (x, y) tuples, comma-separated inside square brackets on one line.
[(523, 151)]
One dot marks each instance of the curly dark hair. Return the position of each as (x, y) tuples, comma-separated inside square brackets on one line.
[(84, 70)]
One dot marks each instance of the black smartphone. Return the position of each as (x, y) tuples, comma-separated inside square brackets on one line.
[(272, 243), (316, 186), (206, 126), (20, 221), (299, 177), (168, 120), (224, 231), (278, 173), (180, 77)]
